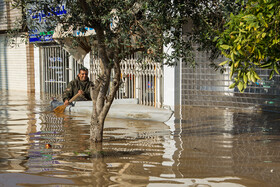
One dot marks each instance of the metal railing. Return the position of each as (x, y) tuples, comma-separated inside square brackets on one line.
[(58, 69), (143, 81)]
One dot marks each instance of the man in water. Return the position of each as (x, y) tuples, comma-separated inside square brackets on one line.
[(80, 85)]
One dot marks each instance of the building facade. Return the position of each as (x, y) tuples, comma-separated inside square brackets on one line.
[(204, 86), (48, 68), (16, 58)]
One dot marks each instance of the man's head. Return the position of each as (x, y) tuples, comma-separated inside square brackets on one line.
[(83, 74)]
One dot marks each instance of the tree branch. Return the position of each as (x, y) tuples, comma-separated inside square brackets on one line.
[(114, 88), (85, 7)]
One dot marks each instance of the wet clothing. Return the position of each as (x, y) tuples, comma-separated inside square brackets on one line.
[(74, 86)]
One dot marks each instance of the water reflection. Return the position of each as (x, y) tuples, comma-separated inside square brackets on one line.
[(200, 146), (216, 143)]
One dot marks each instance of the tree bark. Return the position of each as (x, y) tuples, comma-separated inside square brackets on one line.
[(102, 103), (96, 130), (99, 111), (102, 94)]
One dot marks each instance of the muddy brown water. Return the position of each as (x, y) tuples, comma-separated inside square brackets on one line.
[(197, 147)]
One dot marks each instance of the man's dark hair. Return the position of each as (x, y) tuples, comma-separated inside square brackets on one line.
[(83, 69)]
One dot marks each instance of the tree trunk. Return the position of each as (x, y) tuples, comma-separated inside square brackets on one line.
[(100, 108), (103, 94), (102, 100), (96, 129)]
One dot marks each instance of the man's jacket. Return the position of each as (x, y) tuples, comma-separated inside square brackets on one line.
[(74, 86)]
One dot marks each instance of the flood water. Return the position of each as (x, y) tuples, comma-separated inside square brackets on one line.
[(197, 147)]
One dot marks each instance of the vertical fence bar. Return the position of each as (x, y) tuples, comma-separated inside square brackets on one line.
[(58, 70), (144, 89), (63, 71), (53, 52), (56, 53), (134, 86), (48, 69), (53, 69), (155, 96), (129, 86), (140, 89), (143, 82), (41, 70), (51, 75), (136, 81), (45, 70), (157, 91), (56, 64), (149, 89)]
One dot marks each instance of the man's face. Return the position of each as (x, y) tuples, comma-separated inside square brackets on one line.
[(83, 75)]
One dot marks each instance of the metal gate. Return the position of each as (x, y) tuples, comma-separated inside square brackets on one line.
[(143, 81), (58, 69)]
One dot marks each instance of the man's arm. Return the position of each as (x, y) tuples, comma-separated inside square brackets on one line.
[(68, 93)]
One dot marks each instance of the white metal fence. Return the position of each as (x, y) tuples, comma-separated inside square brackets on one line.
[(58, 69), (143, 81)]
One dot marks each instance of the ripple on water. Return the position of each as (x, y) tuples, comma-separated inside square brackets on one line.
[(206, 148)]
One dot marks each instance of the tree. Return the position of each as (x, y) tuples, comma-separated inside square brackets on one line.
[(251, 40), (126, 27)]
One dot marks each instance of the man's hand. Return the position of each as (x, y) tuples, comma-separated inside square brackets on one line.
[(66, 102), (81, 92)]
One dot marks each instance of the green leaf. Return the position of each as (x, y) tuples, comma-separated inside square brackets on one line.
[(223, 63), (253, 78), (216, 38), (238, 47), (230, 75), (275, 69), (259, 53), (270, 6), (271, 74), (239, 74), (249, 75), (266, 65), (240, 86), (232, 57), (225, 46), (232, 85), (236, 64), (256, 76), (245, 78), (231, 71), (245, 86)]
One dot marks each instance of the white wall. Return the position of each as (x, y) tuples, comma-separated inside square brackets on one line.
[(169, 83), (37, 69), (13, 66), (87, 61)]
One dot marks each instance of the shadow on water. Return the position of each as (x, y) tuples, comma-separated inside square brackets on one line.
[(202, 146), (206, 120), (219, 142)]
